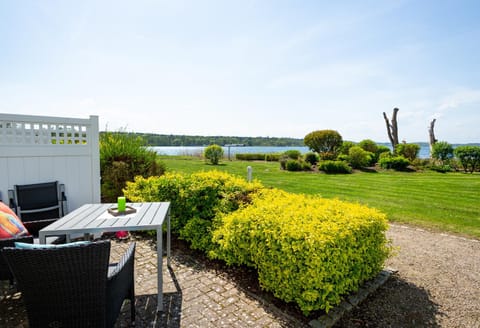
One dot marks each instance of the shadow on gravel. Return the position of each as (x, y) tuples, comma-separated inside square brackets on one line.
[(12, 310), (397, 303)]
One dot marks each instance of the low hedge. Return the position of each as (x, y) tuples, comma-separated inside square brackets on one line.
[(334, 167), (258, 157), (398, 163), (307, 249)]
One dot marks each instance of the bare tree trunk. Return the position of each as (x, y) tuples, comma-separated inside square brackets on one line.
[(432, 135), (392, 128)]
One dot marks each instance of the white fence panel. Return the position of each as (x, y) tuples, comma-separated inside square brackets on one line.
[(35, 149)]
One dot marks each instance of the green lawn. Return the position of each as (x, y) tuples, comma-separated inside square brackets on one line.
[(448, 202)]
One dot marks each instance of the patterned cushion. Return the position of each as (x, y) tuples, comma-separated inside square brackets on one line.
[(10, 225)]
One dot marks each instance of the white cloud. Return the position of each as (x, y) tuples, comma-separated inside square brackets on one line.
[(459, 98)]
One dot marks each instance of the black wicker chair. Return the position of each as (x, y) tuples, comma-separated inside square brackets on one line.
[(5, 273), (73, 286)]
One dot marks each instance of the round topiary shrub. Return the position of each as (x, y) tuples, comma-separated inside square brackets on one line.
[(213, 153)]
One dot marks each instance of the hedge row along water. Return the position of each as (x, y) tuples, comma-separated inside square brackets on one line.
[(306, 249)]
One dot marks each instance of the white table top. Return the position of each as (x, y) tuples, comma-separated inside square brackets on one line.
[(92, 218)]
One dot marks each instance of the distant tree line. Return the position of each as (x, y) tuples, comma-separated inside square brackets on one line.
[(185, 140)]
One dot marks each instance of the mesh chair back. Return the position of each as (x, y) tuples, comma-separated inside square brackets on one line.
[(63, 287), (42, 199)]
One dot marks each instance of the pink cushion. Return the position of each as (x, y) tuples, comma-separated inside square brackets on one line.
[(10, 225)]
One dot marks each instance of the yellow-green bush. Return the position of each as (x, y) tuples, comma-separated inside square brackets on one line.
[(196, 199), (307, 249)]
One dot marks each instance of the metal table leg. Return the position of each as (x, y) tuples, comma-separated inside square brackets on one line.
[(159, 270)]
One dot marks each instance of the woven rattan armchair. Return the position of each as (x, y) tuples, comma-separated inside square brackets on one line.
[(73, 286), (5, 273)]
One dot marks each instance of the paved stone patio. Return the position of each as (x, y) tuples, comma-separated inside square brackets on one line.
[(194, 296)]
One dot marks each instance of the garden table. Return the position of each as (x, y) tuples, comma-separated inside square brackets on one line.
[(95, 218)]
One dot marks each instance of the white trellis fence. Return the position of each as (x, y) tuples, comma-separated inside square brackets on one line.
[(35, 149)]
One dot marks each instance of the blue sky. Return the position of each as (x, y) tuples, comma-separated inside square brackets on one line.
[(247, 68)]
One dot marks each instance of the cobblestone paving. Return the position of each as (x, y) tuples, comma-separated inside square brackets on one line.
[(194, 296)]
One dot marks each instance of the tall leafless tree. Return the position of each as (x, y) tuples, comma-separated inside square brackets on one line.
[(392, 128), (431, 133)]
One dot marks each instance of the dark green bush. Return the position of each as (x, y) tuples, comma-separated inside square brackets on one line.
[(123, 156), (258, 157), (306, 166), (333, 167), (442, 150), (469, 157), (441, 168), (398, 163), (311, 158), (293, 165)]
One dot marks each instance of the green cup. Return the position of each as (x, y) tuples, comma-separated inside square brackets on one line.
[(121, 204)]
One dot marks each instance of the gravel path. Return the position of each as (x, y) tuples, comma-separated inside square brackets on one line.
[(437, 284)]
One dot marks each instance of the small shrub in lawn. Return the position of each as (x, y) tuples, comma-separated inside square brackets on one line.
[(468, 156), (358, 157), (311, 158), (293, 165), (306, 166), (333, 167), (398, 163), (306, 249), (213, 153), (442, 151), (441, 168)]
